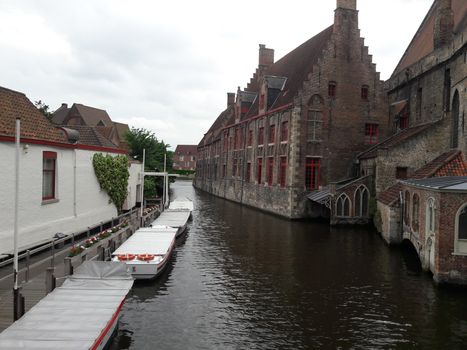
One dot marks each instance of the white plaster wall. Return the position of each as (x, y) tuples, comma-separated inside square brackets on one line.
[(38, 221)]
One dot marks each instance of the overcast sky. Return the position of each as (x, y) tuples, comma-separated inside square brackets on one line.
[(167, 65)]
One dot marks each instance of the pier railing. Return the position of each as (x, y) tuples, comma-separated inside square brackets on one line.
[(73, 238)]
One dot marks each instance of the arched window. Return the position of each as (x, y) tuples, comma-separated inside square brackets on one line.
[(407, 208), (415, 212), (362, 196), (430, 216), (343, 206), (460, 243)]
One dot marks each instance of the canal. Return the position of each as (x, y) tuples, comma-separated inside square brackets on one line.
[(243, 279)]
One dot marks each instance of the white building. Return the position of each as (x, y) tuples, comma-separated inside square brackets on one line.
[(58, 189)]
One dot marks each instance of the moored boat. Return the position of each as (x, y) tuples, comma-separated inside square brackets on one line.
[(81, 314), (147, 251)]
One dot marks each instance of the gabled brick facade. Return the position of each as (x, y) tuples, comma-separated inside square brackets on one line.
[(313, 111)]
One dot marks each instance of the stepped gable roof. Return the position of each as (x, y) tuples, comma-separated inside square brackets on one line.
[(91, 136), (34, 125), (394, 140), (186, 149), (448, 164), (92, 116), (422, 43), (295, 66), (58, 117)]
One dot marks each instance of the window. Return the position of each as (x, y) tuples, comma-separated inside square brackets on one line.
[(364, 92), (259, 170), (361, 201), (407, 208), (404, 119), (314, 122), (430, 216), (282, 171), (332, 89), (371, 134), (415, 212), (460, 244), (401, 173), (343, 206), (312, 173), (272, 133), (49, 168), (224, 170), (270, 170), (285, 131), (248, 172), (234, 167), (261, 136), (250, 138)]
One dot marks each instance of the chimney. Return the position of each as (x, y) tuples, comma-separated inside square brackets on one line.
[(444, 24), (347, 4), (266, 56), (64, 105), (230, 99)]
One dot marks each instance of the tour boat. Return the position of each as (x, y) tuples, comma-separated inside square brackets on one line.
[(176, 216), (181, 203), (147, 251), (81, 314)]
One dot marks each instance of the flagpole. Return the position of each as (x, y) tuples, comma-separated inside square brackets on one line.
[(142, 187), (15, 232)]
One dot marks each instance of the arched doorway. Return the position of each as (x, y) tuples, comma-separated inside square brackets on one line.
[(455, 120)]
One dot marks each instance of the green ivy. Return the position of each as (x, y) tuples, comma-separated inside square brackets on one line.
[(112, 174)]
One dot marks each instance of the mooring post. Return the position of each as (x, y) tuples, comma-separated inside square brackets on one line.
[(101, 251), (49, 279), (16, 298), (68, 266)]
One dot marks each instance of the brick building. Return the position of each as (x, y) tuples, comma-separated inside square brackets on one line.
[(184, 157), (298, 124)]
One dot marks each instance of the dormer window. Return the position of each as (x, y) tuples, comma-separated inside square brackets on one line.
[(332, 89)]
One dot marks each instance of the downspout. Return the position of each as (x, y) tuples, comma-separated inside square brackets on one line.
[(74, 184)]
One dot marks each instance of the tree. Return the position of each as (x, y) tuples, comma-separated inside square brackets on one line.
[(139, 139), (44, 109)]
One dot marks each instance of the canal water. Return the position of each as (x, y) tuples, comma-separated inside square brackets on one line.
[(243, 279)]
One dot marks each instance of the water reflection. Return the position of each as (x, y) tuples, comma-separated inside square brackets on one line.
[(247, 280)]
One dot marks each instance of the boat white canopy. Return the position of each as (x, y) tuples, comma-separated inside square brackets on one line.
[(75, 315), (172, 218), (156, 241), (182, 203)]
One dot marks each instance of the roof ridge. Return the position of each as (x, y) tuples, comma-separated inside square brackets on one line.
[(449, 159), (14, 91)]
